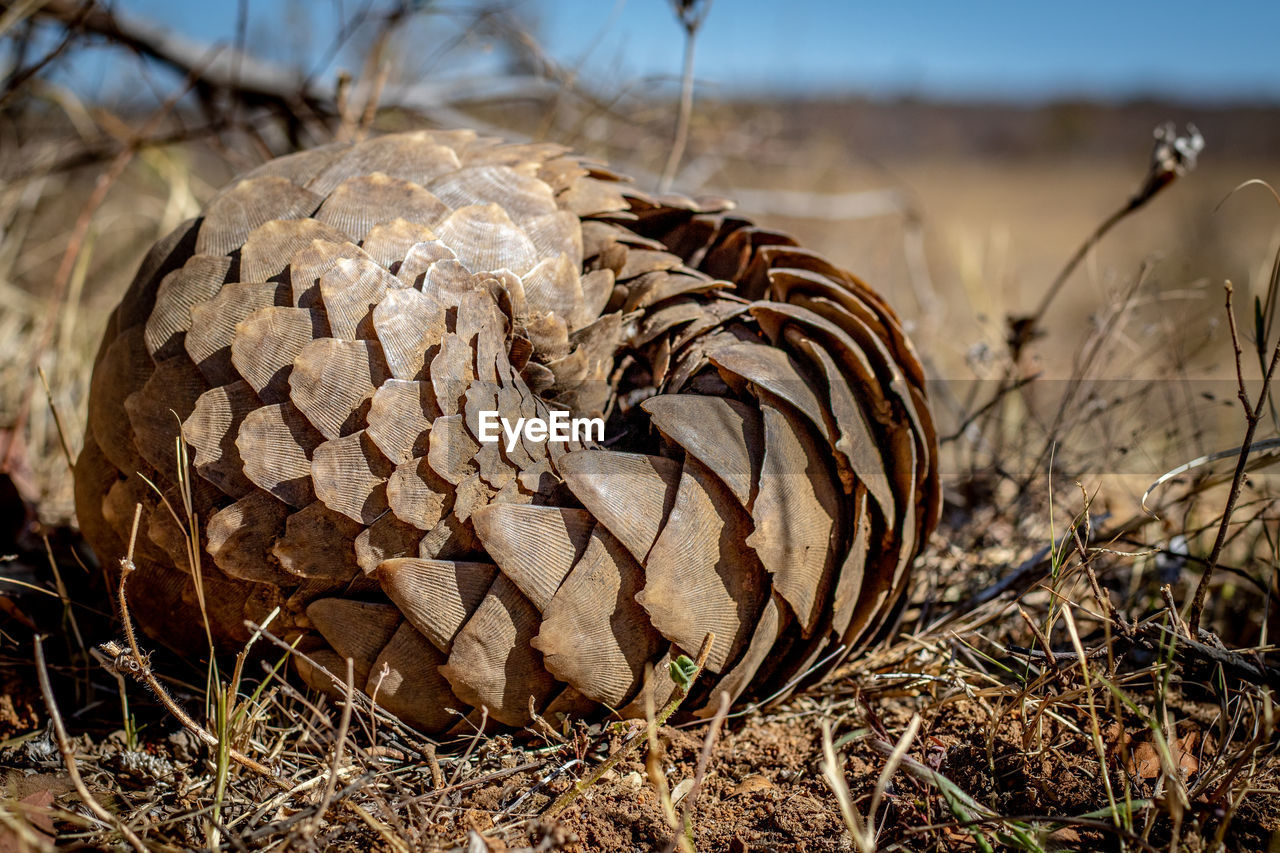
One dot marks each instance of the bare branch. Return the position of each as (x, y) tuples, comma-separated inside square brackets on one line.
[(1252, 415), (258, 82)]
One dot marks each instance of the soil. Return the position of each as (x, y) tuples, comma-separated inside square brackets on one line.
[(1028, 751)]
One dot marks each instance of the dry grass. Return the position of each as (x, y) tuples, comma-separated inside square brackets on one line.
[(1042, 692)]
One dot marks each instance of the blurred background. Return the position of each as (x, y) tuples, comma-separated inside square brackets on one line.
[(953, 155)]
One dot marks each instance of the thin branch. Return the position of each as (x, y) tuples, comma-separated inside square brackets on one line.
[(1252, 415), (258, 82), (133, 662), (1001, 391), (704, 759), (567, 798), (1151, 636), (1041, 639), (21, 76), (57, 421), (1171, 157), (691, 13), (344, 724), (79, 232), (69, 756)]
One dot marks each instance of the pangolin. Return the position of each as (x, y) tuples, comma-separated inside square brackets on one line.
[(293, 391)]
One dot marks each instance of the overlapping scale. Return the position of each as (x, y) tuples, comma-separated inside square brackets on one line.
[(214, 322), (358, 204), (267, 344), (199, 280), (270, 247), (700, 575), (330, 340)]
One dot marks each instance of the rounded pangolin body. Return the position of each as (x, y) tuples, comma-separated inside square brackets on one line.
[(327, 338)]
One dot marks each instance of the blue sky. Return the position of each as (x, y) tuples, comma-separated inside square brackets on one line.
[(988, 49), (982, 48)]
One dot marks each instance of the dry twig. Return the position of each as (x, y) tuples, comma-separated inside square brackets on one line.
[(1252, 415), (564, 800), (704, 759), (69, 756), (691, 14), (344, 724), (134, 662)]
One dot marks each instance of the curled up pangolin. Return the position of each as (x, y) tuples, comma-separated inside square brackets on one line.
[(326, 338)]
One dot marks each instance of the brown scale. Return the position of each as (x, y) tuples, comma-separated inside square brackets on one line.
[(328, 335)]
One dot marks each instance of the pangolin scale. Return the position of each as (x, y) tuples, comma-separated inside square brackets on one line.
[(324, 339)]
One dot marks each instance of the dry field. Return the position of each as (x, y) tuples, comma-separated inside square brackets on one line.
[(1043, 690)]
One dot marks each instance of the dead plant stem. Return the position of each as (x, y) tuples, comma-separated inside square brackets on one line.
[(1252, 415), (133, 661), (565, 799), (344, 724), (691, 19), (704, 759), (79, 232), (69, 756)]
